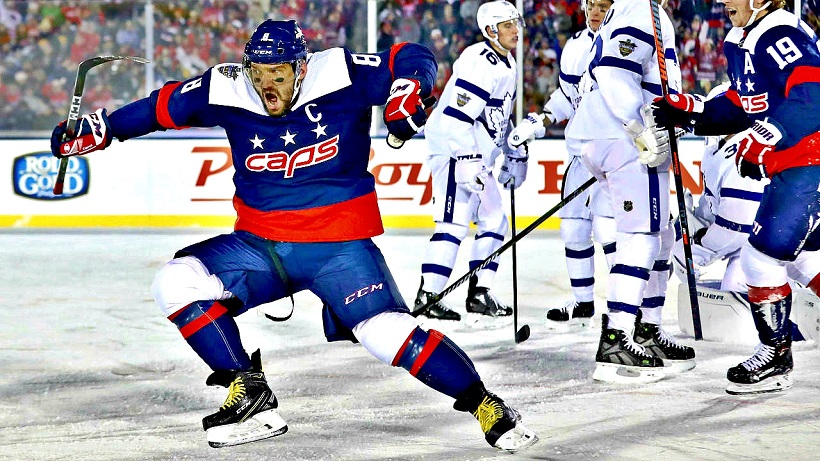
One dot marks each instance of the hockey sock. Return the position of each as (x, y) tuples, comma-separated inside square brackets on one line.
[(771, 307), (440, 255), (437, 362), (580, 257), (654, 295), (212, 333), (484, 245)]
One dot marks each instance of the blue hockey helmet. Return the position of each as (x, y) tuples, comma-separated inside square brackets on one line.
[(276, 42)]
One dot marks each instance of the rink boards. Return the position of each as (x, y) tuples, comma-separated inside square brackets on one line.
[(181, 182)]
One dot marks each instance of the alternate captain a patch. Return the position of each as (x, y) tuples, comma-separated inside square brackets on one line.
[(626, 47)]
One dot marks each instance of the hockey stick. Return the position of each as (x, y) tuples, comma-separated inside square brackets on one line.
[(505, 247), (74, 109), (524, 333), (676, 172)]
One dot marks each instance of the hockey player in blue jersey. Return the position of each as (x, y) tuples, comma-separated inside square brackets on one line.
[(298, 126), (774, 72)]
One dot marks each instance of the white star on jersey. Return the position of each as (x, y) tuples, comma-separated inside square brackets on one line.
[(256, 141), (750, 85), (288, 137), (319, 130)]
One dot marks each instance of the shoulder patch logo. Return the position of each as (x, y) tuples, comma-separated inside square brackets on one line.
[(626, 47), (462, 99), (229, 71)]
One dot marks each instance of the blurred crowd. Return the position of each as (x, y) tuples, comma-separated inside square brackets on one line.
[(41, 43)]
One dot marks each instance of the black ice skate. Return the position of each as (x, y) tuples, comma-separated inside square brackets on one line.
[(621, 360), (484, 309), (249, 413), (571, 316), (438, 311), (768, 370), (500, 423), (655, 341)]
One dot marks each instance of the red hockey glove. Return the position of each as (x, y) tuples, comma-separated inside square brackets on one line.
[(753, 145), (93, 133), (404, 113), (676, 110)]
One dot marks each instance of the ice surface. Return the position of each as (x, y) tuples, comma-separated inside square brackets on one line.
[(90, 370)]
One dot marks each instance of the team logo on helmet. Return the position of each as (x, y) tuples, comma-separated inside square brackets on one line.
[(462, 99), (626, 47)]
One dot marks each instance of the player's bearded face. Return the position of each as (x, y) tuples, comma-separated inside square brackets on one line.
[(596, 10), (274, 85)]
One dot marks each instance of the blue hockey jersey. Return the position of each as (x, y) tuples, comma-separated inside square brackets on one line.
[(301, 177)]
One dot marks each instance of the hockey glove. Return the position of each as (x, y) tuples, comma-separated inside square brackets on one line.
[(404, 113), (652, 142), (530, 128), (471, 173), (677, 110), (93, 133), (753, 145), (514, 169)]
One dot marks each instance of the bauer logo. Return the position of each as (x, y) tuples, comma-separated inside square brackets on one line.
[(34, 176)]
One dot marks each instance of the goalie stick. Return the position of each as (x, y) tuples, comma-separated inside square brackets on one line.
[(74, 109), (676, 172), (505, 247)]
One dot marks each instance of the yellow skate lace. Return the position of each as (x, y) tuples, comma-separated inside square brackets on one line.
[(235, 393), (488, 412)]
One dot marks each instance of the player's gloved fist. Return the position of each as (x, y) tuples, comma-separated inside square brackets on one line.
[(471, 173), (93, 133), (530, 128), (676, 110), (404, 113), (652, 142), (752, 145), (514, 169)]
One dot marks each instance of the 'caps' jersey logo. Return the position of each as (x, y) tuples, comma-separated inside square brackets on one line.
[(34, 176)]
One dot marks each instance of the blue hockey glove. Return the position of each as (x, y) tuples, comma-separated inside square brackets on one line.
[(404, 112), (752, 147), (93, 133), (514, 169)]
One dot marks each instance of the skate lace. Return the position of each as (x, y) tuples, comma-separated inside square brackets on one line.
[(634, 347), (235, 393), (762, 355), (488, 412), (666, 340)]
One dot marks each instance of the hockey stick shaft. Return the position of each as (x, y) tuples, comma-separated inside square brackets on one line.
[(676, 173), (74, 108), (506, 246), (514, 263)]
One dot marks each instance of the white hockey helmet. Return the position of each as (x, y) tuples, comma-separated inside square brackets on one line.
[(490, 14)]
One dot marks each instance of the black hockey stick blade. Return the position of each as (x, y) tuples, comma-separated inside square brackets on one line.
[(506, 246), (74, 109), (522, 334)]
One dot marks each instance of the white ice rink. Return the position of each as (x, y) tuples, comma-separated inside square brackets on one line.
[(91, 370)]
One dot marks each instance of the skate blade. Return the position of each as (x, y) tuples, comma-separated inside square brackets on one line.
[(487, 322), (570, 326), (626, 374), (260, 426), (777, 383), (516, 439), (678, 366)]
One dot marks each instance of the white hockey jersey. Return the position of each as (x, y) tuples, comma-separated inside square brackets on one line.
[(574, 62), (729, 201), (623, 73), (473, 115)]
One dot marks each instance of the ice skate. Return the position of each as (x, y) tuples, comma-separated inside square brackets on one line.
[(484, 310), (249, 413), (500, 423), (572, 316), (621, 360), (676, 358), (768, 370), (437, 311)]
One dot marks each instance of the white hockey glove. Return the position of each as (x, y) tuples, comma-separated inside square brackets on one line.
[(652, 142), (514, 169), (701, 257), (471, 173), (530, 128)]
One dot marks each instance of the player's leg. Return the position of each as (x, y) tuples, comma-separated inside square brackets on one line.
[(491, 228), (648, 330), (640, 205), (367, 303), (202, 300), (453, 207)]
